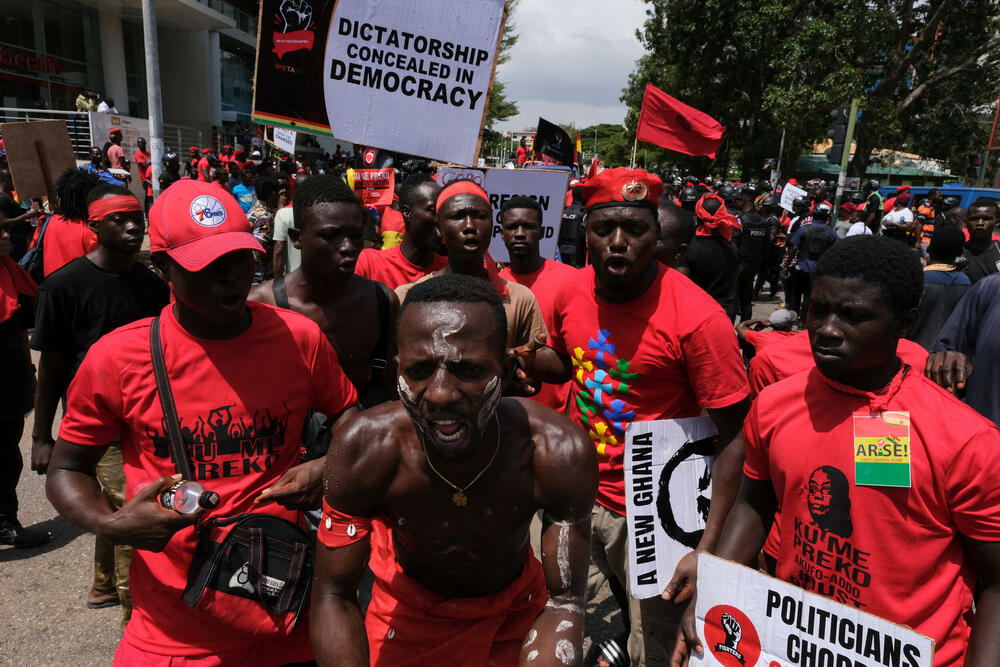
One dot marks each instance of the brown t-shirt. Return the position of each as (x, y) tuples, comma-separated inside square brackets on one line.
[(524, 317)]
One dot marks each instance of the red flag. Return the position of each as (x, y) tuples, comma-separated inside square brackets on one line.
[(594, 169), (669, 123)]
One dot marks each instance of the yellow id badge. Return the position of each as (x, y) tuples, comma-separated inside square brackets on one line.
[(882, 449)]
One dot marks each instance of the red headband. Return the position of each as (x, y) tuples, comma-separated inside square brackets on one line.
[(102, 208), (722, 220), (461, 188)]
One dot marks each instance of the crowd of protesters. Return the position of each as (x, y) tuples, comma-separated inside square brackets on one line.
[(418, 454)]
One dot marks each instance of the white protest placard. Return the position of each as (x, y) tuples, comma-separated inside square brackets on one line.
[(284, 139), (412, 77), (668, 486), (547, 187), (745, 618), (788, 195)]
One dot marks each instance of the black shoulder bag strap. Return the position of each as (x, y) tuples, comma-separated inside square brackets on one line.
[(280, 293), (381, 351), (170, 421)]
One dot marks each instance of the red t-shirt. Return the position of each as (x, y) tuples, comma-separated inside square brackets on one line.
[(204, 167), (116, 156), (777, 362), (522, 154), (546, 283), (141, 159), (392, 221), (760, 339), (242, 402), (148, 177), (391, 268), (794, 355), (65, 240), (893, 552), (667, 354)]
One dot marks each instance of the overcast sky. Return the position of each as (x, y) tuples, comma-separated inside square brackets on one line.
[(571, 61)]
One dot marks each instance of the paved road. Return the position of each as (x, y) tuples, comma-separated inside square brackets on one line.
[(43, 617)]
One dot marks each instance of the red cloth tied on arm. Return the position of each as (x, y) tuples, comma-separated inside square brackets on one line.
[(14, 282), (722, 221), (337, 529), (102, 208)]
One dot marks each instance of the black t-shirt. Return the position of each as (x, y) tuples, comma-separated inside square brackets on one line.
[(982, 261), (755, 238), (81, 302), (712, 261)]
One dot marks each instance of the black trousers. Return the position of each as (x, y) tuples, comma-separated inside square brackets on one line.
[(745, 288), (11, 465), (798, 291)]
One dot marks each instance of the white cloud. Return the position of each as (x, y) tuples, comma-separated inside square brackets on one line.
[(571, 61)]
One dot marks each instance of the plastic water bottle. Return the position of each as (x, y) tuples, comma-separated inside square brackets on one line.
[(187, 497)]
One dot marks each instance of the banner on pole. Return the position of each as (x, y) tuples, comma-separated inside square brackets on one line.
[(402, 76), (375, 186), (668, 486), (745, 618), (788, 195), (547, 187)]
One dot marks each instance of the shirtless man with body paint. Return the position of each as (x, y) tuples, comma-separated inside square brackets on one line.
[(437, 492)]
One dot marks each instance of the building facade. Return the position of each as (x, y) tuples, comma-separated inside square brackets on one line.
[(50, 50)]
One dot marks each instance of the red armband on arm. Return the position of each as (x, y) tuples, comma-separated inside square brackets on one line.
[(337, 529)]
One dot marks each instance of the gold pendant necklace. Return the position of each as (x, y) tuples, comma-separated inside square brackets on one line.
[(459, 497)]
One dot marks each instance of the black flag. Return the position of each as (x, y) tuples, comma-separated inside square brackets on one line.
[(552, 140)]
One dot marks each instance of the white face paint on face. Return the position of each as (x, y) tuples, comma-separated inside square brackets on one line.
[(449, 322), (491, 396)]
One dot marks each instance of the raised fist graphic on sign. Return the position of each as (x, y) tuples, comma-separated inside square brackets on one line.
[(297, 14)]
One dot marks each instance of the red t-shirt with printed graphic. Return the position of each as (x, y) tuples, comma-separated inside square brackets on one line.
[(391, 268), (667, 354), (241, 404), (546, 283), (845, 540)]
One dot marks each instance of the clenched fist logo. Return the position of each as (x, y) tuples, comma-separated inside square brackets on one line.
[(734, 632), (297, 14)]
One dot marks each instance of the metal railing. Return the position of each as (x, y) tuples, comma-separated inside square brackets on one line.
[(245, 22), (177, 137)]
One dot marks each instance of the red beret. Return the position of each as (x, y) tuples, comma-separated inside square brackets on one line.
[(113, 130), (206, 150), (849, 207), (902, 188), (622, 187), (192, 148)]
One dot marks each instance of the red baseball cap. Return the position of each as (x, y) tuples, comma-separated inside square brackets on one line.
[(196, 223), (622, 187)]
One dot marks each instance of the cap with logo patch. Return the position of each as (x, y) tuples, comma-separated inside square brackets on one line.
[(622, 187), (196, 223)]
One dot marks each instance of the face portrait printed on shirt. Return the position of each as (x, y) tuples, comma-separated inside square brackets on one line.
[(829, 500), (451, 370)]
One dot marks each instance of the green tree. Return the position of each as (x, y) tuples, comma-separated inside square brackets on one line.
[(925, 71), (500, 107)]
